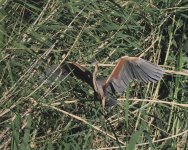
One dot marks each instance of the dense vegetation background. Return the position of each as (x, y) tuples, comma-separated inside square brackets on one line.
[(48, 113)]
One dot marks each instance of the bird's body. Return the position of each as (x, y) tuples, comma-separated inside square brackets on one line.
[(126, 70)]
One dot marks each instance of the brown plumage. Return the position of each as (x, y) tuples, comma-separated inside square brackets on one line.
[(126, 70)]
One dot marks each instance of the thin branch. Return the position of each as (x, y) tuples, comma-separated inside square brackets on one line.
[(156, 101)]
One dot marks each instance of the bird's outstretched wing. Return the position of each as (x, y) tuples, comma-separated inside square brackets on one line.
[(131, 68), (78, 71)]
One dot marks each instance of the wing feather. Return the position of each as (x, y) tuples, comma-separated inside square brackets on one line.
[(149, 77), (144, 76), (128, 69), (128, 72), (117, 85), (153, 72)]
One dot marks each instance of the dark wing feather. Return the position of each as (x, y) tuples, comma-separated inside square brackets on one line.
[(78, 71), (131, 68), (110, 101)]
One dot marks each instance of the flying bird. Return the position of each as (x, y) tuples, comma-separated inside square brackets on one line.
[(127, 69)]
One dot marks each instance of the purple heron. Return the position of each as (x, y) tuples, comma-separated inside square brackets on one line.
[(127, 69)]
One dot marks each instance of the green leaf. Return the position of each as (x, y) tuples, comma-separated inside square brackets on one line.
[(16, 125), (134, 139), (26, 138)]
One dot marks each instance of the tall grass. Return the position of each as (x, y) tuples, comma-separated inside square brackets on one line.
[(45, 112)]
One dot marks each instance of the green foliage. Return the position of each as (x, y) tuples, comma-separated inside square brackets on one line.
[(133, 140), (47, 112)]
